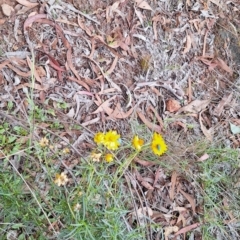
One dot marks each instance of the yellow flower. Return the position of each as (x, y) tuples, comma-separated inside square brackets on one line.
[(137, 142), (111, 140), (109, 157), (66, 151), (95, 156), (43, 142), (61, 179), (99, 138), (158, 144)]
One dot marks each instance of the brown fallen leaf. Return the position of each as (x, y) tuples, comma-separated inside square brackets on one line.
[(157, 175), (142, 181), (143, 162), (110, 70), (149, 124), (156, 115), (195, 106), (173, 184), (143, 4), (35, 86), (20, 73), (187, 229), (2, 65), (7, 9), (104, 107), (207, 132), (188, 44), (214, 63), (27, 3), (80, 82), (147, 185), (181, 124), (223, 65), (172, 105), (83, 27), (190, 200), (225, 100), (204, 157), (110, 10), (118, 113)]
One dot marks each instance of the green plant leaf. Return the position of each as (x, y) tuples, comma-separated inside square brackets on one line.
[(234, 129)]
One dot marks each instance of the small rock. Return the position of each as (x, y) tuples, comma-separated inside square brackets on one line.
[(173, 105), (7, 10)]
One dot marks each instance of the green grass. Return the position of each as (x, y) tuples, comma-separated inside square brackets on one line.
[(219, 178)]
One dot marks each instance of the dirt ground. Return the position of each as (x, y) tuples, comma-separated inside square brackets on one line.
[(173, 66)]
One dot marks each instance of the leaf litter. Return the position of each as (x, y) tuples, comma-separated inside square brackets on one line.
[(92, 56)]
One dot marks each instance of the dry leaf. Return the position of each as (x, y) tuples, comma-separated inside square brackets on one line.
[(187, 229), (190, 199), (41, 72), (188, 44), (147, 185), (149, 124), (173, 105), (143, 4), (207, 132), (27, 3), (225, 100), (157, 175), (204, 157), (214, 63), (173, 184), (181, 124), (80, 82), (219, 3), (143, 162), (223, 65), (110, 70), (145, 211), (118, 113), (195, 106), (157, 116), (7, 10), (71, 113), (104, 107), (20, 73), (35, 86)]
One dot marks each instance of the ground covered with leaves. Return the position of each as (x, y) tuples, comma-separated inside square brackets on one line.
[(119, 119)]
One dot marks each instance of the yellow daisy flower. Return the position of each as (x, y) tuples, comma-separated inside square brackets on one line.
[(99, 138), (109, 157), (44, 142), (137, 142), (61, 179), (111, 140), (158, 145)]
